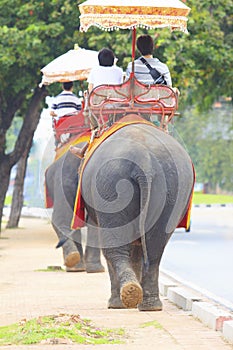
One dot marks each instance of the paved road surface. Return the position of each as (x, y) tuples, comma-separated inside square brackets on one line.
[(203, 258), (26, 291)]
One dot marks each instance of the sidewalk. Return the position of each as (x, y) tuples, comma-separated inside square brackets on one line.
[(26, 291)]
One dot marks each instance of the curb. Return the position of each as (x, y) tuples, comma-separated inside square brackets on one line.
[(210, 314), (31, 212), (213, 205)]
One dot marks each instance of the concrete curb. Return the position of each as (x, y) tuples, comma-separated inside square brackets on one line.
[(30, 212), (182, 297), (211, 315), (213, 205), (228, 331)]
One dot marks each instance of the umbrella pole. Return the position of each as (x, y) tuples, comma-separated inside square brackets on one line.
[(132, 72), (133, 47)]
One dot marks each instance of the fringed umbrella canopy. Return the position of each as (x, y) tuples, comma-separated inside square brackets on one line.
[(129, 14), (72, 65)]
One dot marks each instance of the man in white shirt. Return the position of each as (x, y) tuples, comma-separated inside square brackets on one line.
[(107, 72)]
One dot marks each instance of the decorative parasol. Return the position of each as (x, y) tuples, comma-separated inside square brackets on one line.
[(128, 14), (73, 65)]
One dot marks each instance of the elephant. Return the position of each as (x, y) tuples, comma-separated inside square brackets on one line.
[(61, 180), (136, 187)]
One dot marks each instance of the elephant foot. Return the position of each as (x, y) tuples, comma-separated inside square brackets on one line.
[(80, 267), (94, 268), (72, 259), (115, 303), (131, 295), (150, 305)]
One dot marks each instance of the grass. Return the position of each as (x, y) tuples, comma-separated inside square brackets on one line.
[(154, 324), (201, 198), (60, 329), (8, 200), (52, 269), (198, 198)]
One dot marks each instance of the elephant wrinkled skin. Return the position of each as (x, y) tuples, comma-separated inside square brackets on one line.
[(136, 189), (61, 181)]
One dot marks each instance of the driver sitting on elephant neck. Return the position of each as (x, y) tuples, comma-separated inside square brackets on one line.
[(106, 73)]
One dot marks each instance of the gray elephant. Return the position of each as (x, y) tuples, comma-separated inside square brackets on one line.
[(136, 188), (61, 180)]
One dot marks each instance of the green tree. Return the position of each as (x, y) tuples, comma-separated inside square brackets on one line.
[(208, 139), (32, 34), (201, 62), (35, 32)]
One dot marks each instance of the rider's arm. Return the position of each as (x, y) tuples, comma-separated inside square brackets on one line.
[(53, 114), (90, 87), (167, 77)]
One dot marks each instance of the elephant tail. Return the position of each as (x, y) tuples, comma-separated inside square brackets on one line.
[(145, 190)]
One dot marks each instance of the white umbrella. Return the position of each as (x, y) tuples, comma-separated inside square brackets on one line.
[(73, 65)]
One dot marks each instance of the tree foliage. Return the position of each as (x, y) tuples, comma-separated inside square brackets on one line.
[(208, 139), (32, 34), (35, 32)]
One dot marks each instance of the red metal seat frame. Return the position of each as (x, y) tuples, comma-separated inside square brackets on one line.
[(72, 124), (112, 102), (132, 97)]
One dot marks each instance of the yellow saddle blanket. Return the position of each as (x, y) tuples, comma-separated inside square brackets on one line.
[(78, 220)]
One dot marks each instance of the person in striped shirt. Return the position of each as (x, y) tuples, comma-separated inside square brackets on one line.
[(145, 46), (66, 103)]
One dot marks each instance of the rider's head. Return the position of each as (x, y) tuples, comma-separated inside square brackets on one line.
[(145, 44), (67, 86), (106, 57)]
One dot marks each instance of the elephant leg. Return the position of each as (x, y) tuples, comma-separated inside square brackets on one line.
[(130, 289), (72, 249), (151, 300), (114, 301), (136, 259), (150, 278), (93, 260), (80, 266), (92, 250)]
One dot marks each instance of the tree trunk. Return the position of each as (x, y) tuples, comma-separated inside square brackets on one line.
[(5, 171), (7, 161), (18, 198)]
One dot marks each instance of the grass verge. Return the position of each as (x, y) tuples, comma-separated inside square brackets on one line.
[(201, 198), (58, 329)]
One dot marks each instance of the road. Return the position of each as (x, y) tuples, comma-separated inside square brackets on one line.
[(203, 258)]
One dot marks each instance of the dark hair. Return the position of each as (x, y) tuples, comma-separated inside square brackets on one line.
[(145, 44), (106, 57), (67, 85)]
